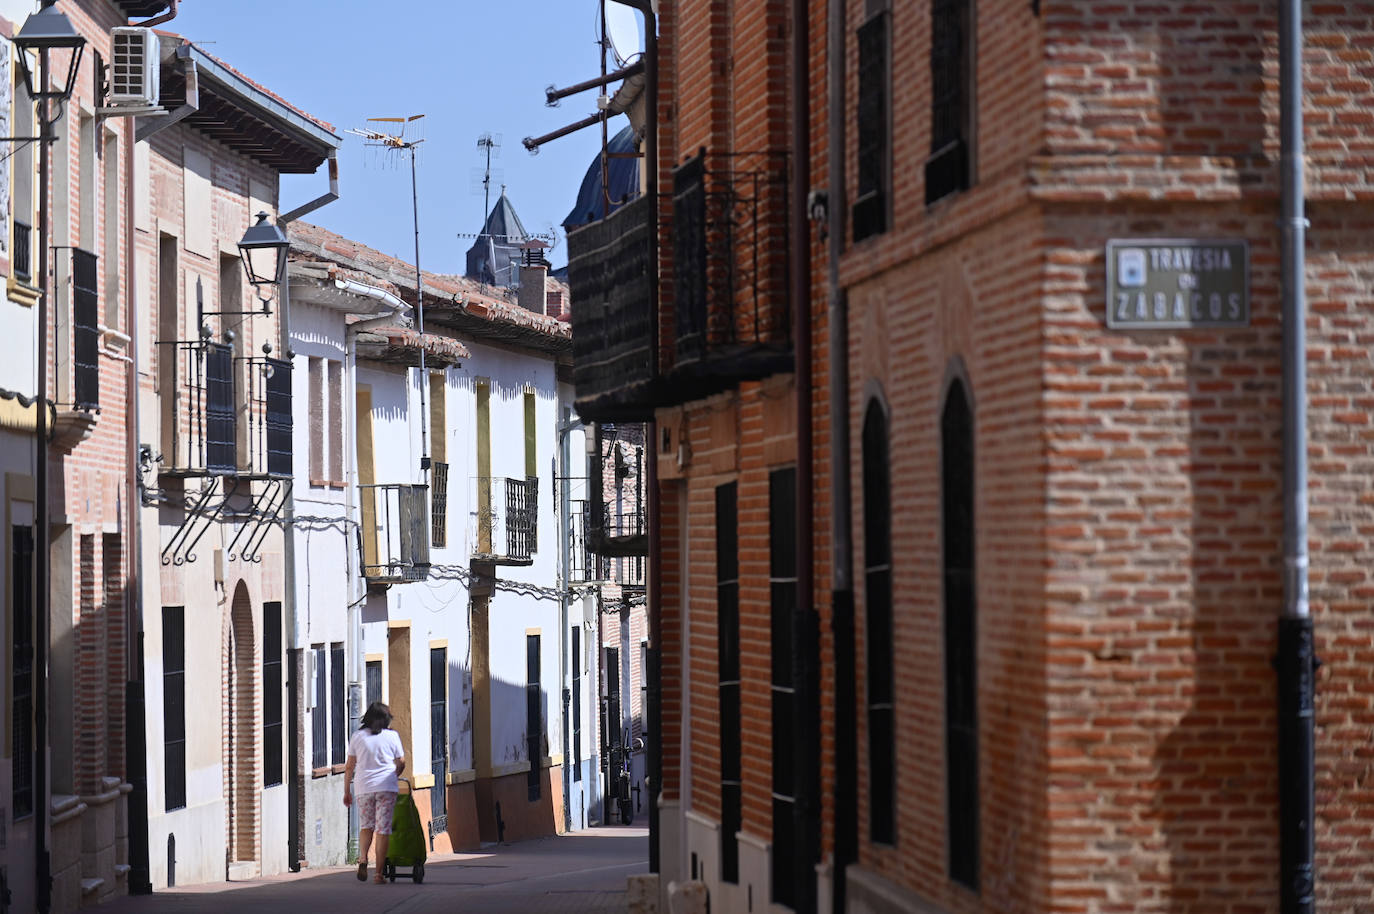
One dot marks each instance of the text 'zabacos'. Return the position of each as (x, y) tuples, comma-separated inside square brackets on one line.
[(1169, 283)]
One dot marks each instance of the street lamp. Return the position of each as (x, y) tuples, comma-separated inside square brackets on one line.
[(263, 249), (46, 30)]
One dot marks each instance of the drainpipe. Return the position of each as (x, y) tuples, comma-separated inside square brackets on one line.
[(565, 430), (42, 628), (805, 629), (654, 712), (1296, 662), (295, 802), (135, 730), (843, 789)]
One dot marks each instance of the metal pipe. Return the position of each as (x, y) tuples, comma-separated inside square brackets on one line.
[(135, 735), (552, 95), (41, 575), (805, 628), (1296, 663), (165, 17), (533, 143), (420, 320), (845, 771)]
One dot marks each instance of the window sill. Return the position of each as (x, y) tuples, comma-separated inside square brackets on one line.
[(321, 772), (21, 292), (338, 769)]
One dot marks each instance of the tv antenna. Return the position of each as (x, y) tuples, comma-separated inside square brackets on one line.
[(397, 141), (489, 143)]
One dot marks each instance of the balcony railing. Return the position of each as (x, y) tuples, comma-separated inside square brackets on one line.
[(200, 423), (22, 258), (584, 565), (598, 545), (395, 532), (85, 331), (730, 272), (610, 272), (507, 519)]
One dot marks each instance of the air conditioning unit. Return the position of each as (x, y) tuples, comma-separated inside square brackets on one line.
[(134, 70)]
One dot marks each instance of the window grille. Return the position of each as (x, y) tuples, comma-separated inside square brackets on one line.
[(278, 417), (727, 607), (271, 694), (438, 737), (961, 680), (174, 706), (877, 491), (534, 718), (220, 439), (319, 715), (374, 681), (782, 577), (947, 169), (575, 641), (22, 258), (85, 331), (438, 514), (873, 128), (338, 706)]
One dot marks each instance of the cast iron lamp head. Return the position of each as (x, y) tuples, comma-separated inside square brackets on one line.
[(263, 250), (49, 30)]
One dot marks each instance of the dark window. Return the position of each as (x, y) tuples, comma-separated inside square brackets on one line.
[(438, 513), (878, 633), (85, 332), (271, 694), (319, 715), (338, 705), (174, 705), (576, 644), (279, 417), (873, 128), (220, 439), (782, 578), (534, 717), (22, 240), (438, 729), (613, 717), (727, 641), (374, 681), (961, 682), (21, 563), (951, 97)]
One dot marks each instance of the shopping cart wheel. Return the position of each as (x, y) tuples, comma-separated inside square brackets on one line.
[(418, 874)]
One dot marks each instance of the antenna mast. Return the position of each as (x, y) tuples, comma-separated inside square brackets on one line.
[(398, 141)]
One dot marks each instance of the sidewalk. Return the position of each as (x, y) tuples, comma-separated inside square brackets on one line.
[(580, 873)]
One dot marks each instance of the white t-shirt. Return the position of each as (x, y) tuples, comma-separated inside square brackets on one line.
[(375, 770)]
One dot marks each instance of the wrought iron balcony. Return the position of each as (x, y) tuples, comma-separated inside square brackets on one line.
[(507, 520), (584, 565), (610, 274), (200, 423), (730, 273), (605, 547), (395, 532)]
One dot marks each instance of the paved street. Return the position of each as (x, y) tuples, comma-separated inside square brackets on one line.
[(583, 873)]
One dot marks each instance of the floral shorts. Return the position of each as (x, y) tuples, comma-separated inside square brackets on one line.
[(374, 811)]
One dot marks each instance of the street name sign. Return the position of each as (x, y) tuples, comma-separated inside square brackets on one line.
[(1177, 283)]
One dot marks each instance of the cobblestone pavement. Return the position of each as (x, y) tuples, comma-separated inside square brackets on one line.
[(581, 873)]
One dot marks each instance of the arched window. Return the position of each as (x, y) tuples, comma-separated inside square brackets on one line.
[(878, 634), (961, 635)]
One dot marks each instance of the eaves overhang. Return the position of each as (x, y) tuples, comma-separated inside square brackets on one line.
[(247, 118)]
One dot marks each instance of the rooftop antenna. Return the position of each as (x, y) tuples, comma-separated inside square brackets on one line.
[(398, 142), (489, 143)]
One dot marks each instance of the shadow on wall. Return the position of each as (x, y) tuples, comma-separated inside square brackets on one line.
[(1214, 788)]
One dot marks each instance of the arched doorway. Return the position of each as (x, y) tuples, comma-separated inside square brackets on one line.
[(241, 756)]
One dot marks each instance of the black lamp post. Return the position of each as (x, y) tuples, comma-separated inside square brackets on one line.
[(45, 31), (263, 250)]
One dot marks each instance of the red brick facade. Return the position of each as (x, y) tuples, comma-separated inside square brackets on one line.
[(1127, 483)]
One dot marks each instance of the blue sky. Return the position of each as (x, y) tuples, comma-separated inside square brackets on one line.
[(471, 67)]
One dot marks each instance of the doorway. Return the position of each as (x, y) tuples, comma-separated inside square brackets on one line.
[(241, 757)]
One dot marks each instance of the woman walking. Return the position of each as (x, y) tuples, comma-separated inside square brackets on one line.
[(375, 761)]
